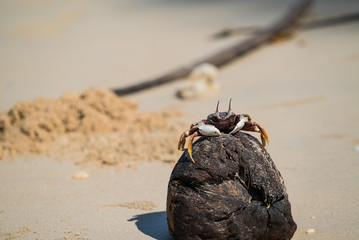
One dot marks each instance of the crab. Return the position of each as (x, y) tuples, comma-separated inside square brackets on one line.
[(221, 122)]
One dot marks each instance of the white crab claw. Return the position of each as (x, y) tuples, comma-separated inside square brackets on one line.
[(239, 125), (209, 130)]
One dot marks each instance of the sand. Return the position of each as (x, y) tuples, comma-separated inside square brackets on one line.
[(93, 127), (303, 91)]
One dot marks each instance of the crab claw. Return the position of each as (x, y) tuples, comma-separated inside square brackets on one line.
[(208, 130), (203, 130), (240, 124)]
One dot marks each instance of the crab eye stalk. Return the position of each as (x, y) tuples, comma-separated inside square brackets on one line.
[(229, 113), (217, 113), (229, 108)]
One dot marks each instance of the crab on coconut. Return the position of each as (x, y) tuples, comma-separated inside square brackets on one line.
[(221, 122)]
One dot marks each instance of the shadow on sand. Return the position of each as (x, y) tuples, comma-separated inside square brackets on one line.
[(153, 225)]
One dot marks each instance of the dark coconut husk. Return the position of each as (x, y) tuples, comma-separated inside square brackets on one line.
[(233, 191)]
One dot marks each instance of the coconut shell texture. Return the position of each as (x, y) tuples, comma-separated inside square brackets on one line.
[(233, 191)]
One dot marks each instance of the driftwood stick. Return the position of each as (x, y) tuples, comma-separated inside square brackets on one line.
[(331, 21), (320, 23), (229, 54)]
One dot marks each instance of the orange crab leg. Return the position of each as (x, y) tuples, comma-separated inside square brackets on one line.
[(182, 140), (248, 117), (185, 134), (255, 127), (190, 145)]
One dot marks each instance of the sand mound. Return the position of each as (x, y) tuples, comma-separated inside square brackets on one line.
[(96, 126)]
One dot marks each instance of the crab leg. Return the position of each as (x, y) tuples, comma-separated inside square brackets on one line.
[(248, 117), (195, 124), (185, 134), (198, 129), (255, 127), (203, 130), (190, 145)]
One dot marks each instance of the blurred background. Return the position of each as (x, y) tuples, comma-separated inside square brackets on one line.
[(48, 47), (303, 90)]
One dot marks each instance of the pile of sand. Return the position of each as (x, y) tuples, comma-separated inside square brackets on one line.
[(96, 126)]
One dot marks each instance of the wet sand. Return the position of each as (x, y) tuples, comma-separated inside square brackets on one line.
[(304, 91)]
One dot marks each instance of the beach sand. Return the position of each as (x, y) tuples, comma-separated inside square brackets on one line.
[(303, 91)]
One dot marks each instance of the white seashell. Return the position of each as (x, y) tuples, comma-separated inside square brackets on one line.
[(192, 90), (205, 70), (310, 230), (201, 81), (81, 175)]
